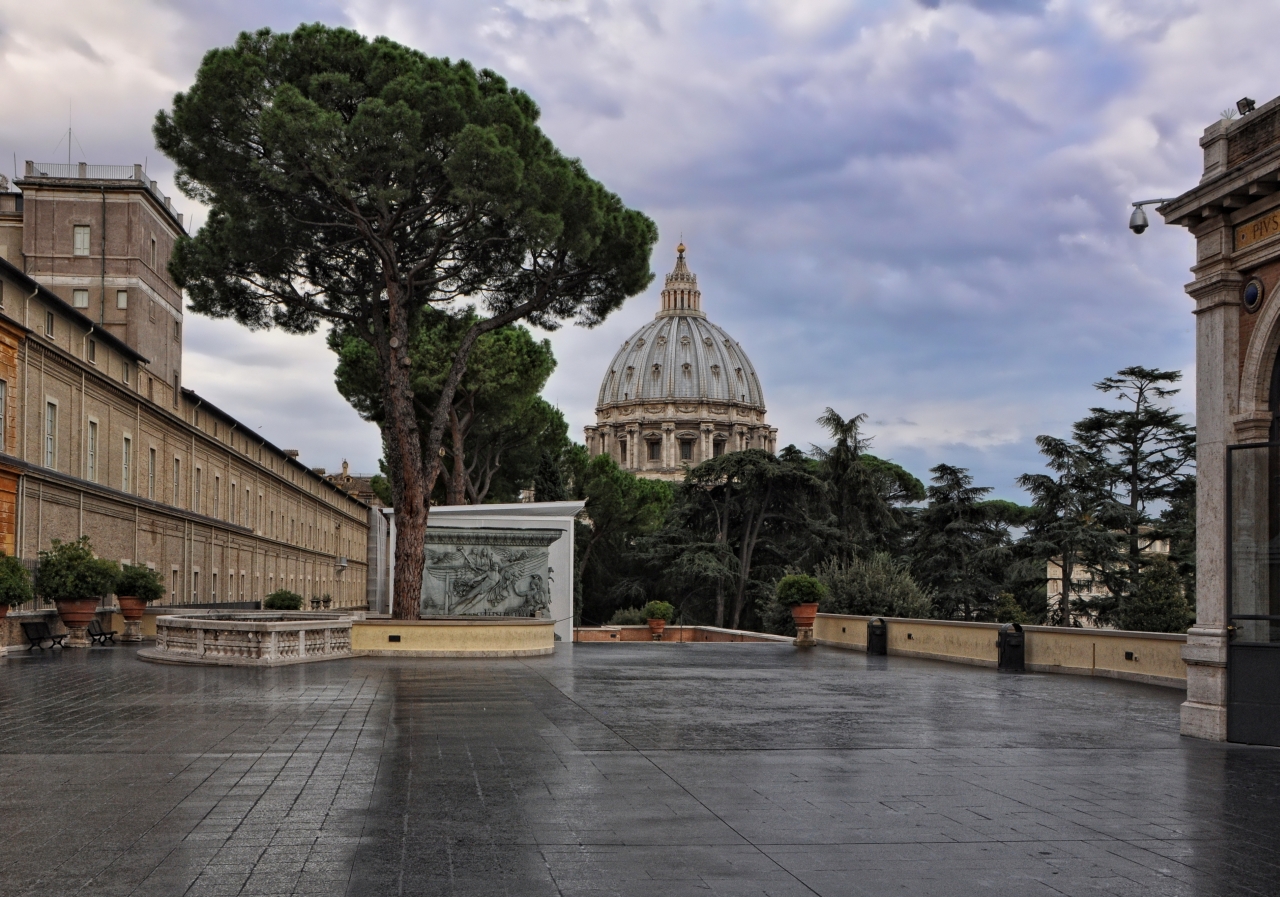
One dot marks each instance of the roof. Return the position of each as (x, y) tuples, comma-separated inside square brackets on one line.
[(48, 296), (205, 403)]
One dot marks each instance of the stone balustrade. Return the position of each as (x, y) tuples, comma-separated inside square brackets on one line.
[(250, 639)]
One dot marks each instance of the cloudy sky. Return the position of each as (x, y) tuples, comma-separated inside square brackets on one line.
[(914, 209)]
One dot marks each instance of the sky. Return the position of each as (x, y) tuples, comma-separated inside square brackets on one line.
[(912, 209)]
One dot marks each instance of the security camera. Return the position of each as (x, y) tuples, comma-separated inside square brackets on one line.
[(1138, 220)]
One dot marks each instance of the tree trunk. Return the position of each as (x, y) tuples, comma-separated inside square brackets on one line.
[(1064, 602), (456, 493), (402, 443)]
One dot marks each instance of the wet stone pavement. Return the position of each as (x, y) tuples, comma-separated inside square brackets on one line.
[(649, 770)]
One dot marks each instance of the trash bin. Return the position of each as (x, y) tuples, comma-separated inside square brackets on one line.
[(877, 637), (1011, 646)]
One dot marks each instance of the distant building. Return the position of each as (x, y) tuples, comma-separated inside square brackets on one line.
[(98, 436), (358, 484), (1088, 582), (679, 391)]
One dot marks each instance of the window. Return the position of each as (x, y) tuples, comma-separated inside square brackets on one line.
[(91, 455), (231, 503), (175, 389), (173, 591), (122, 298), (4, 395), (718, 449), (50, 434), (126, 465), (93, 351), (217, 494), (195, 585), (622, 451), (246, 507), (686, 450), (80, 240), (151, 474), (151, 310), (124, 373), (195, 506), (215, 585), (257, 519), (177, 481), (48, 324), (655, 451), (177, 330), (153, 253), (80, 298), (151, 390)]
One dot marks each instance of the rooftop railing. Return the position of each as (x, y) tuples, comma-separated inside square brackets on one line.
[(84, 171)]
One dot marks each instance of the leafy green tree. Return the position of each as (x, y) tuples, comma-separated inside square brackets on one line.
[(730, 507), (855, 489), (877, 585), (620, 508), (1160, 604), (1074, 519), (961, 545), (70, 570), (363, 184), (15, 582), (499, 426), (1145, 455)]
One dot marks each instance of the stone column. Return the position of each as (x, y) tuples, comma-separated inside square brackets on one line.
[(1217, 295), (669, 445), (707, 432), (633, 437)]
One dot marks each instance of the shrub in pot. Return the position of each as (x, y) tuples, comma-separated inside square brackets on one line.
[(282, 599), (137, 587), (658, 614), (70, 576), (802, 593), (15, 584)]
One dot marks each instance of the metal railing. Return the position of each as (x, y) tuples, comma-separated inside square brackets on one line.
[(83, 170)]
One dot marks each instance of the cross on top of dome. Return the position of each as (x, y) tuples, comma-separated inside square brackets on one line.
[(680, 295)]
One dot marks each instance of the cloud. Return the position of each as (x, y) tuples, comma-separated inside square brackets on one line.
[(913, 209)]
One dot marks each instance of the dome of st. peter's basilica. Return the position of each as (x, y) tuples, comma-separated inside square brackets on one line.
[(679, 391)]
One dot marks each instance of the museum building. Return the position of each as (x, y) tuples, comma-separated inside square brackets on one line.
[(679, 392), (98, 435)]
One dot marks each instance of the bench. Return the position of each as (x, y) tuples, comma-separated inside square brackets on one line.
[(99, 635), (38, 632)]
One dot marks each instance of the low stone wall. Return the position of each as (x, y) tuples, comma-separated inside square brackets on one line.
[(250, 639), (1151, 657), (454, 637), (672, 634)]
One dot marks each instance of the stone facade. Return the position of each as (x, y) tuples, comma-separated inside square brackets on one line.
[(679, 391), (1234, 215), (99, 436)]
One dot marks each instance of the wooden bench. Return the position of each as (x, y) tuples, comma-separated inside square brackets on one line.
[(38, 632), (99, 635)]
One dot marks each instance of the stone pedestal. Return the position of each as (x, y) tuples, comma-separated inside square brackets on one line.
[(132, 631), (804, 637), (77, 637)]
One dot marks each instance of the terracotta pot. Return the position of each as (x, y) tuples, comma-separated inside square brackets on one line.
[(77, 613), (804, 615), (131, 608), (656, 627)]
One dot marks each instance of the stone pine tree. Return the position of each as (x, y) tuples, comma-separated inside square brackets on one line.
[(362, 183), (1144, 454)]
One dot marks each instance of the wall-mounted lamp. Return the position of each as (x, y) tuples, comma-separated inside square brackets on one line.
[(1138, 220), (1244, 105)]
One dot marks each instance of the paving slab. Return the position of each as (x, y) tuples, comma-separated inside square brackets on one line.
[(617, 769)]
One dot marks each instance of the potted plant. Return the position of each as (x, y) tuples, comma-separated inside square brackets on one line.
[(282, 599), (137, 587), (658, 614), (15, 584), (801, 593), (70, 576)]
